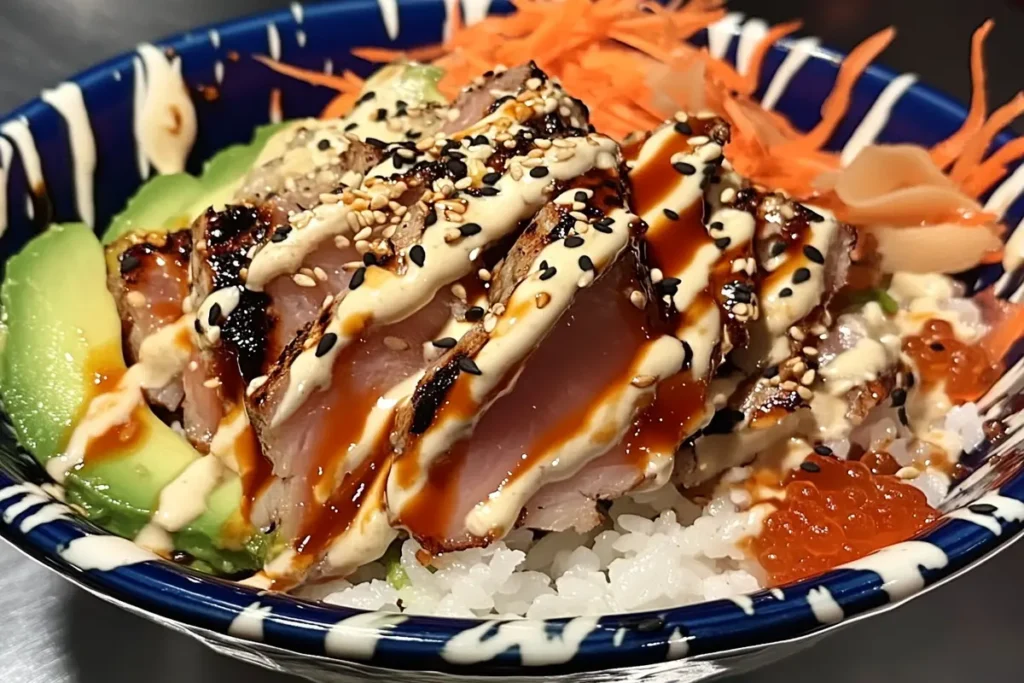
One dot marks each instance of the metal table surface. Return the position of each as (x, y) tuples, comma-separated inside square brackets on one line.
[(52, 632)]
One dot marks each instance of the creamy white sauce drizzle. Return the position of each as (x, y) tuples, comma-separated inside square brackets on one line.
[(214, 39), (357, 637), (876, 118), (218, 72), (752, 33), (721, 32), (1007, 193), (249, 622), (50, 512), (899, 566), (183, 500), (781, 312), (389, 298), (1006, 509), (777, 593), (1013, 251), (450, 8), (537, 647), (161, 359), (297, 12), (227, 299), (619, 637), (19, 132), (826, 609), (67, 99), (273, 41), (678, 645), (745, 603), (6, 154), (475, 11), (300, 38), (389, 14), (138, 103), (165, 118), (799, 52), (34, 496), (329, 66), (104, 553), (872, 355), (222, 445)]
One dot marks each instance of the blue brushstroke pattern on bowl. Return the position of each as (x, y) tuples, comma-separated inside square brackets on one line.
[(321, 641)]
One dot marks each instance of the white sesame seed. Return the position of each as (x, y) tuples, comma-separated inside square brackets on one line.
[(808, 378), (809, 351), (484, 274), (804, 393), (643, 381), (303, 280), (396, 343), (656, 275), (363, 234), (459, 292), (796, 333), (542, 299), (320, 274), (638, 299), (212, 383), (908, 473), (136, 299), (728, 195), (490, 322)]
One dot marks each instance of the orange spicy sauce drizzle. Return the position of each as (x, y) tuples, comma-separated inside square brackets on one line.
[(834, 512)]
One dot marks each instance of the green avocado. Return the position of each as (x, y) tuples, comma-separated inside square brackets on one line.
[(61, 333), (172, 202)]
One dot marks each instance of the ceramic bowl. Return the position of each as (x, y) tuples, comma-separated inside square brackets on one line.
[(70, 155)]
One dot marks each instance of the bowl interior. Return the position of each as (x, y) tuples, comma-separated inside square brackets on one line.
[(48, 176)]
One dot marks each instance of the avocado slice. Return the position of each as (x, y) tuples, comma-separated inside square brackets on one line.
[(172, 202), (62, 335)]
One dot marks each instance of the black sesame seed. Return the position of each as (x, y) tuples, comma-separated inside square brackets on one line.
[(367, 96), (604, 225), (491, 178), (586, 263), (214, 316), (812, 216), (937, 346), (280, 235), (469, 229), (683, 128), (474, 314), (723, 242), (538, 172), (543, 265), (580, 196), (687, 355), (910, 380), (457, 167), (902, 412), (129, 262), (810, 467), (899, 397), (488, 191), (717, 225), (812, 254), (369, 259), (770, 371), (467, 365), (382, 114), (548, 273), (445, 342), (325, 344), (822, 449), (801, 275), (708, 170), (199, 326), (413, 134), (379, 144), (351, 126), (684, 168), (670, 214), (785, 292), (430, 219), (650, 625), (777, 248), (982, 508), (357, 278), (401, 103), (324, 144), (417, 255), (573, 241)]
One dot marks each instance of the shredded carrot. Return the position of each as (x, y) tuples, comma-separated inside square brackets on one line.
[(944, 153), (630, 62)]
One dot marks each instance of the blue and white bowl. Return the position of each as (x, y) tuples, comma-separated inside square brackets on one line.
[(70, 156)]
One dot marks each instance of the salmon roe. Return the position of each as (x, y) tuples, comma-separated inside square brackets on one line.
[(939, 355), (834, 512)]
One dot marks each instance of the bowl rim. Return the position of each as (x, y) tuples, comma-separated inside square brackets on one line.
[(550, 647)]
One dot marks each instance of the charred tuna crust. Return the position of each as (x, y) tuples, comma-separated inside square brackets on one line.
[(132, 262), (223, 239)]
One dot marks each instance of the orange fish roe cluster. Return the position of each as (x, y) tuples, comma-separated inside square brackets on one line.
[(834, 512), (967, 369)]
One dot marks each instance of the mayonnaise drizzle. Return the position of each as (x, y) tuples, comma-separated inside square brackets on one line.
[(876, 118), (6, 153), (720, 34), (165, 118), (799, 52), (227, 299), (67, 99), (388, 298), (752, 33), (389, 13), (273, 42), (18, 130)]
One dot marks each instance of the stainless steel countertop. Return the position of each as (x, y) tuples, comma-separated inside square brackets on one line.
[(970, 630)]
